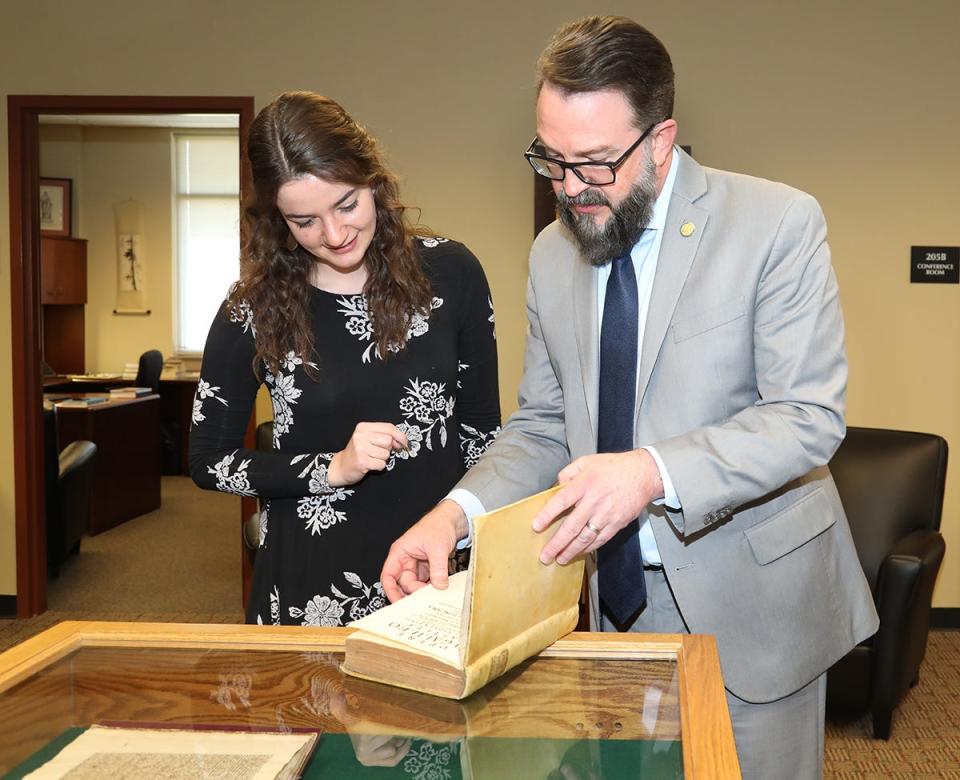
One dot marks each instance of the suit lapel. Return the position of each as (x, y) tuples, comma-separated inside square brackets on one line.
[(584, 294), (677, 253)]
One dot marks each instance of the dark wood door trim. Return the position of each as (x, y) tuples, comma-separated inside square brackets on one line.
[(23, 113)]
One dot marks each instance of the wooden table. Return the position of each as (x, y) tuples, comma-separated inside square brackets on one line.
[(83, 383), (591, 705), (126, 472)]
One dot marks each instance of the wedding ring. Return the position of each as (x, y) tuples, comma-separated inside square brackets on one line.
[(593, 528)]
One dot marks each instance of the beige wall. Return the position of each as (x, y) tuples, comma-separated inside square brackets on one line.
[(854, 102), (109, 165), (61, 157)]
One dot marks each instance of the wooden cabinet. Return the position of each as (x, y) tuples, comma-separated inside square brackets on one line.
[(63, 293), (63, 270)]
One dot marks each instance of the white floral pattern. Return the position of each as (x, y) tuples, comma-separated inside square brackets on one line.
[(243, 314), (262, 524), (491, 319), (428, 761), (414, 440), (204, 390), (370, 598), (474, 443), (359, 324), (426, 403), (316, 510), (339, 608), (233, 690), (431, 241), (319, 611), (275, 606), (237, 482), (284, 393)]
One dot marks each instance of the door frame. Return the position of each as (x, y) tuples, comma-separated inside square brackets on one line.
[(23, 112)]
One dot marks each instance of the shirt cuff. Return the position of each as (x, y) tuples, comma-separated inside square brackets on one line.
[(471, 506), (670, 498)]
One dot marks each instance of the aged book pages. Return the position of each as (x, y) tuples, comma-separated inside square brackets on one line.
[(429, 621), (134, 753), (509, 605)]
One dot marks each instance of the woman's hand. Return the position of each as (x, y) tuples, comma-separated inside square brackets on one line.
[(368, 450)]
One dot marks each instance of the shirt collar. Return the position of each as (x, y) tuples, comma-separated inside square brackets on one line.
[(662, 204)]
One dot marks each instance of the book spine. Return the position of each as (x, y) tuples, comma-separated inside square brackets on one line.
[(519, 648)]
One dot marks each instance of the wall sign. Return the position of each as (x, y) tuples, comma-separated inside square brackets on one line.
[(935, 264)]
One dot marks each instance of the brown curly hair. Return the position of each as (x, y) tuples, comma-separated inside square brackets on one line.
[(300, 134)]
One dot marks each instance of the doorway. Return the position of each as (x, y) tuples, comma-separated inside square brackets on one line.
[(23, 116)]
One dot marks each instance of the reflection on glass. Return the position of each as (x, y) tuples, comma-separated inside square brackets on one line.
[(556, 719)]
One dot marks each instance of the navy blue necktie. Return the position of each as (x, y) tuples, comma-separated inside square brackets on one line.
[(619, 565)]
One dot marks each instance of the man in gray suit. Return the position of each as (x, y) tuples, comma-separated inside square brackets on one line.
[(684, 380)]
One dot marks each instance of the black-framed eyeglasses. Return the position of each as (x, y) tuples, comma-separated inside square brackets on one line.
[(599, 173)]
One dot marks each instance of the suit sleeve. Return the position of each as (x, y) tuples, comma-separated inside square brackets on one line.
[(801, 375), (532, 448), (226, 392)]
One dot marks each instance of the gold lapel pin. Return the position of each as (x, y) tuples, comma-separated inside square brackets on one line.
[(686, 229)]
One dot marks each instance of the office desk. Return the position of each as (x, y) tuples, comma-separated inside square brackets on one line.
[(591, 705), (126, 473)]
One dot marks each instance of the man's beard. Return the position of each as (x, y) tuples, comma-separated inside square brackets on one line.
[(617, 236)]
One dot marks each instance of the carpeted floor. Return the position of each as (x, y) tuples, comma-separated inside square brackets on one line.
[(925, 738), (179, 564), (182, 564), (184, 557)]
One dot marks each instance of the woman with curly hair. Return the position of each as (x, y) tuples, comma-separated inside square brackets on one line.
[(377, 347)]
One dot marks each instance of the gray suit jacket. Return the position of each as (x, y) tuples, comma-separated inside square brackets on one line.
[(742, 382)]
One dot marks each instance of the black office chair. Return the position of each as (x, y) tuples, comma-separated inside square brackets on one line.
[(891, 484), (69, 476), (149, 369)]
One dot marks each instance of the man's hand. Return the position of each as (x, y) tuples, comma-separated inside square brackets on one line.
[(606, 492), (379, 749), (368, 450), (420, 556)]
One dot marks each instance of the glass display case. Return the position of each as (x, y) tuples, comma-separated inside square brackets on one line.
[(590, 706)]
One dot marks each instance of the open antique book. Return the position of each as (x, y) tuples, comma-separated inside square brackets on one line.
[(106, 751), (505, 608)]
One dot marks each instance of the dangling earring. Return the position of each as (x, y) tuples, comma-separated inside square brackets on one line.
[(291, 243)]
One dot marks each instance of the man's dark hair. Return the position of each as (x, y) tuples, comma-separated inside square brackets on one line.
[(611, 52)]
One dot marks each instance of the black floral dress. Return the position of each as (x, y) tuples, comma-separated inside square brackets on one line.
[(322, 547)]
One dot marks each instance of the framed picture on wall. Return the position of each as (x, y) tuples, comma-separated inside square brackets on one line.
[(55, 207)]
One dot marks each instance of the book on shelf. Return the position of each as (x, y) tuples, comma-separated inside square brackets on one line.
[(91, 400), (130, 370), (505, 608), (173, 367), (129, 392), (138, 752)]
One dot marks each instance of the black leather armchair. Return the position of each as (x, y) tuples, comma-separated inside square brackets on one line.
[(891, 484), (69, 475)]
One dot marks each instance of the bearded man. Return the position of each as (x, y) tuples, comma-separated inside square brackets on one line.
[(685, 382)]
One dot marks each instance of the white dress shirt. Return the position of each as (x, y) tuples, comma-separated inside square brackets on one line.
[(644, 254)]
